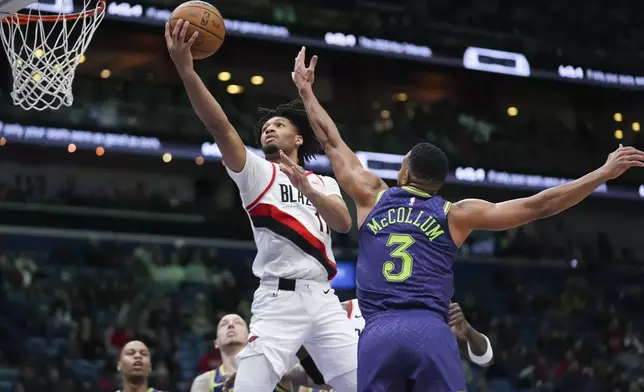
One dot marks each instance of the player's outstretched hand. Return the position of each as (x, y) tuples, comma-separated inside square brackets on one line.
[(457, 321), (178, 47), (302, 75), (296, 174), (621, 160)]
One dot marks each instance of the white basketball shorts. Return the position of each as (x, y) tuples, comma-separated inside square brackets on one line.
[(310, 316)]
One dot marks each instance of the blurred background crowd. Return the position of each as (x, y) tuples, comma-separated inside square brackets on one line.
[(104, 242)]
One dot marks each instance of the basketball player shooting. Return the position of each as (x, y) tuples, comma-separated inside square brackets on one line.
[(408, 239), (292, 213)]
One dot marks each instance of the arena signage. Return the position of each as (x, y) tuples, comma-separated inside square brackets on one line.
[(600, 77), (386, 166), (474, 58), (496, 61)]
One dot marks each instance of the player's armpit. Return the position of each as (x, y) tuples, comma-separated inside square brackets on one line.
[(212, 115), (202, 383), (359, 183)]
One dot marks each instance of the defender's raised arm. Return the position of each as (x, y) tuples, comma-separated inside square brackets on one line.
[(205, 105), (474, 214), (361, 185)]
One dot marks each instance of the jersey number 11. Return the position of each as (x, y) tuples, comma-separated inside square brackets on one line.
[(324, 227)]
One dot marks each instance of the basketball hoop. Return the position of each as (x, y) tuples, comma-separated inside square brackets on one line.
[(44, 51)]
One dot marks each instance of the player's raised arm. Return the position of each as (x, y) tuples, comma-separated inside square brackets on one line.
[(362, 185), (473, 214), (205, 105)]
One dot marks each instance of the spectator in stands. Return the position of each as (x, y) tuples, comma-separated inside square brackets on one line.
[(210, 360), (116, 338)]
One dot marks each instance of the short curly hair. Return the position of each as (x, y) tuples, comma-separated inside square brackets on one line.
[(428, 163), (294, 111)]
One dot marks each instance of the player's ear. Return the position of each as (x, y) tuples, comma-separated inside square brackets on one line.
[(217, 344), (405, 177), (118, 365), (299, 140)]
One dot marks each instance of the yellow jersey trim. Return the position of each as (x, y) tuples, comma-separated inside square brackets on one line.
[(416, 191), (380, 195)]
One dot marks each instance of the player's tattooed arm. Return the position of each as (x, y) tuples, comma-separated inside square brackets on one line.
[(205, 105), (362, 185), (202, 383), (474, 214)]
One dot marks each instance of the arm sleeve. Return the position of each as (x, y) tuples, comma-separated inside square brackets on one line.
[(485, 359), (254, 178)]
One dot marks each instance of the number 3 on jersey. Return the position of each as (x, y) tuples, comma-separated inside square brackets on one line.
[(402, 243)]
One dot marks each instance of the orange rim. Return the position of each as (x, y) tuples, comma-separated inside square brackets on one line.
[(26, 19)]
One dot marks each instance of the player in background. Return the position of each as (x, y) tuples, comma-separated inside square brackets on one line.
[(232, 335), (408, 240), (292, 212), (134, 365)]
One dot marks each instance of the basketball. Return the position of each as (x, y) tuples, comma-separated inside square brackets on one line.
[(205, 19)]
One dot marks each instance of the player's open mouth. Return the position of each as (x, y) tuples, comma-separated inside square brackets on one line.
[(270, 138), (137, 365), (231, 333)]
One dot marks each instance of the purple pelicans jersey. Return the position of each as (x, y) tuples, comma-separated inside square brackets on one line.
[(405, 283), (406, 254)]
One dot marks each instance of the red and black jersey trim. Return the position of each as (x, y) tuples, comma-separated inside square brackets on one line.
[(261, 195), (279, 222)]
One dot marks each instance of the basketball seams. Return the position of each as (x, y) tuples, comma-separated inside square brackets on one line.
[(211, 28), (201, 29), (213, 10)]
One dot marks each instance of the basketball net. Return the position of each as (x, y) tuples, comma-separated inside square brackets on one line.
[(44, 51)]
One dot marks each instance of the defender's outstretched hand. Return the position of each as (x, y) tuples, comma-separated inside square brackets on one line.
[(178, 47), (621, 160), (302, 75)]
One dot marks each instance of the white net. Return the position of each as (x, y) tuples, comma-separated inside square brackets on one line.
[(44, 51)]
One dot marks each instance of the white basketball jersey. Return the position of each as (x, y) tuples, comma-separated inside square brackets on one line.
[(355, 315), (293, 241)]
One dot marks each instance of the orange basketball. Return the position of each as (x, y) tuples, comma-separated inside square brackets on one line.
[(207, 21)]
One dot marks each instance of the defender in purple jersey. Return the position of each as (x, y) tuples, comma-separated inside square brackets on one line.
[(408, 239)]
